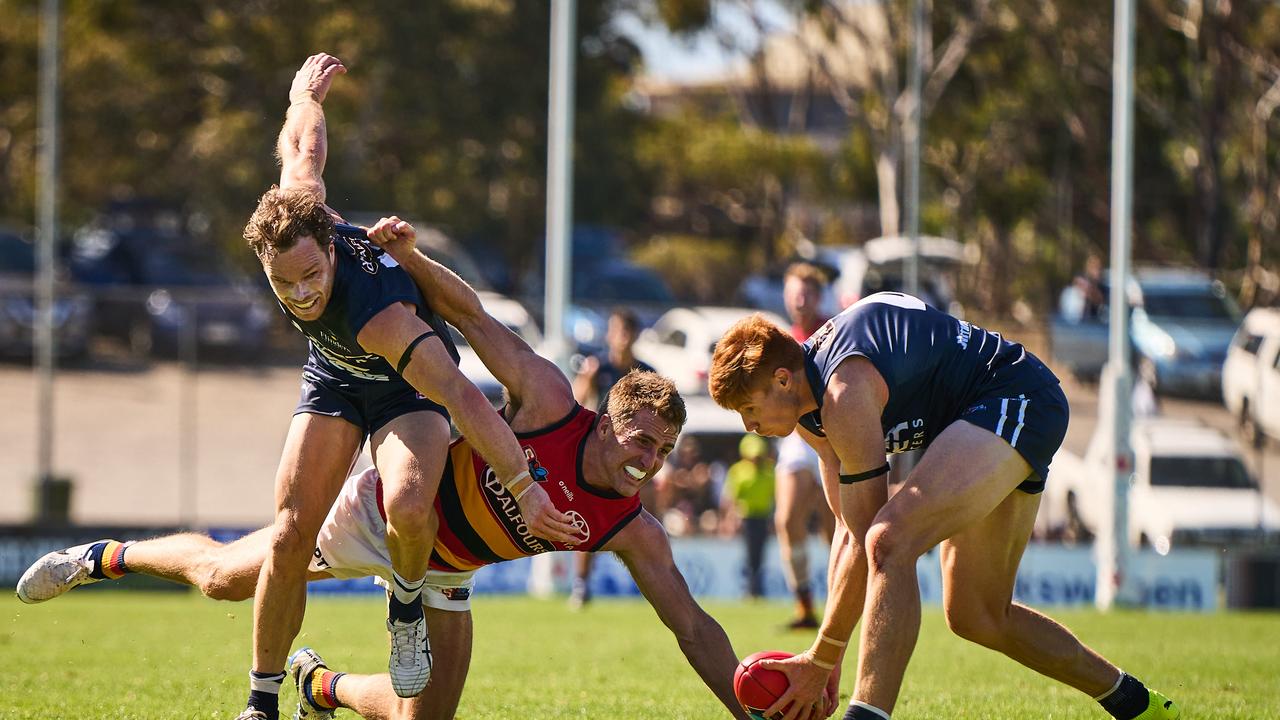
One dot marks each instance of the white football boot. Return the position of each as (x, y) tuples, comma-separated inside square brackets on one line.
[(56, 573), (410, 661)]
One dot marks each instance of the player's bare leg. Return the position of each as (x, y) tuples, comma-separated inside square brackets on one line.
[(580, 593), (371, 696), (979, 568), (410, 453), (317, 456), (220, 571), (966, 473), (798, 495)]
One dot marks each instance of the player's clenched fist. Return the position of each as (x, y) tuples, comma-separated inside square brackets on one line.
[(313, 79), (395, 236)]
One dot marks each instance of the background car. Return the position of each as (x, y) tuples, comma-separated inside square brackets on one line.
[(1190, 487), (1251, 376), (1181, 324), (72, 308), (878, 265), (156, 294), (680, 343)]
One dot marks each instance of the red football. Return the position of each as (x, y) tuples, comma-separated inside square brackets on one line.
[(756, 687)]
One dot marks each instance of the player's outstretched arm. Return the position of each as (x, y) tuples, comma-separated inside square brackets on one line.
[(531, 380), (644, 548), (430, 369), (303, 144), (852, 405)]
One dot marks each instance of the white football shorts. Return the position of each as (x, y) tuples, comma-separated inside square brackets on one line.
[(353, 544), (795, 454)]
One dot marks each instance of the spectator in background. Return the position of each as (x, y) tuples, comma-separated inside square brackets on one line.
[(591, 387), (747, 502), (799, 496), (686, 488), (1089, 285)]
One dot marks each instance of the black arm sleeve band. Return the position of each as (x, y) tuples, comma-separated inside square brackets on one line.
[(408, 352), (859, 477)]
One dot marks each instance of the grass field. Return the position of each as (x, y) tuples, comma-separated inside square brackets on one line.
[(158, 655)]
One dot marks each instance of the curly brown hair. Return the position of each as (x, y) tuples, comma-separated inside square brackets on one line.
[(748, 354), (640, 389), (282, 217)]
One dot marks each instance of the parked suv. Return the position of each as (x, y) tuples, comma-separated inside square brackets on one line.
[(1181, 323), (72, 308), (156, 287), (1251, 376), (1190, 487)]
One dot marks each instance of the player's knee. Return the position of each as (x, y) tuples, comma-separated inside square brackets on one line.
[(232, 584), (292, 538), (409, 514), (974, 622), (886, 546)]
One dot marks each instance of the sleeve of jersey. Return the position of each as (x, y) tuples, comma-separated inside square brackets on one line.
[(371, 294), (847, 342)]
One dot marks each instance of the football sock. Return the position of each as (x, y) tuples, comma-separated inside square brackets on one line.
[(264, 692), (322, 688), (862, 711), (1127, 699), (405, 602), (108, 560)]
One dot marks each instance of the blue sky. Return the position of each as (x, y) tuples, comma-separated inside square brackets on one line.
[(701, 56)]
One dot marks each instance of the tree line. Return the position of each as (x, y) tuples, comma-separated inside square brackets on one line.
[(442, 118)]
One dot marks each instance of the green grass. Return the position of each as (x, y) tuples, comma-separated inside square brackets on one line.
[(158, 655)]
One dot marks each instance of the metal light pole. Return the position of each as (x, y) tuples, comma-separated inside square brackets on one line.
[(1115, 583), (914, 135), (47, 233), (560, 178)]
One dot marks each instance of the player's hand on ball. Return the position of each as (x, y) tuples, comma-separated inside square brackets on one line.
[(313, 79), (394, 235), (544, 520), (807, 696)]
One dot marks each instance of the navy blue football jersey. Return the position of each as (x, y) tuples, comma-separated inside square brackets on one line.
[(935, 365), (366, 281)]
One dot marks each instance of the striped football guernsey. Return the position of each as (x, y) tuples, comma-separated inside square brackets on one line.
[(480, 522)]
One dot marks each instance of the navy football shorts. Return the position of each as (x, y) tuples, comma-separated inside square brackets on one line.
[(366, 404), (1033, 423)]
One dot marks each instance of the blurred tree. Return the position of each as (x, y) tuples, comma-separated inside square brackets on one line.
[(441, 118)]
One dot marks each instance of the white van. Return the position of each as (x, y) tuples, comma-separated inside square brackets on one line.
[(1251, 375)]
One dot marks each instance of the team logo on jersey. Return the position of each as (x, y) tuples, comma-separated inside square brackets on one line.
[(823, 335), (364, 254), (962, 337), (906, 435), (580, 528), (507, 511)]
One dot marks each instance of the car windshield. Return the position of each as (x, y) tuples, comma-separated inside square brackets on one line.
[(167, 269), (1187, 305), (622, 288), (1204, 472), (16, 255)]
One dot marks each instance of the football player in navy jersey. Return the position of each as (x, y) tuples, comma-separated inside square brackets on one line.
[(380, 367), (889, 375)]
